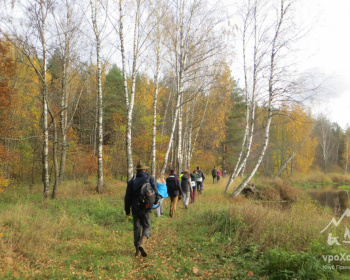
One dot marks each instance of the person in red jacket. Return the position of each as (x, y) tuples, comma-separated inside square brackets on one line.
[(219, 174)]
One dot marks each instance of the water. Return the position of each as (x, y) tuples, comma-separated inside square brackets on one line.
[(330, 196)]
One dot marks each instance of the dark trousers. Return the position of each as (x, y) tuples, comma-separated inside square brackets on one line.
[(199, 186), (142, 222)]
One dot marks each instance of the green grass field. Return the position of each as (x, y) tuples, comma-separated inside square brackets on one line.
[(81, 235)]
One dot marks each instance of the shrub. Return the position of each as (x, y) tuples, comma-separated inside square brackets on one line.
[(284, 265)]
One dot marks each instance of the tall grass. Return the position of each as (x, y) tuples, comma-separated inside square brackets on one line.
[(81, 235)]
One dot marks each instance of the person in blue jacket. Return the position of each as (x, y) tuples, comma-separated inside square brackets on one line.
[(163, 192)]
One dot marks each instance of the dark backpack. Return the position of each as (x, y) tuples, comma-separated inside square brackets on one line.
[(147, 195)]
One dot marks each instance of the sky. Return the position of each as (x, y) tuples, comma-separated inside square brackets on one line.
[(325, 52), (327, 47)]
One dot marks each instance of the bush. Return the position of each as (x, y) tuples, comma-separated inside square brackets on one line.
[(284, 265)]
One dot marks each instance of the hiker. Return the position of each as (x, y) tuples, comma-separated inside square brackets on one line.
[(163, 193), (185, 187), (214, 173), (173, 188), (200, 180), (141, 215), (194, 175), (219, 174)]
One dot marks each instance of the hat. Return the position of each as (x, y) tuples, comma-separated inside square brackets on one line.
[(141, 166)]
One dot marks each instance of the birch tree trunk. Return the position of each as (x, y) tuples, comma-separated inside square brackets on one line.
[(55, 154), (129, 101), (272, 90), (97, 32), (250, 12), (155, 99), (46, 179), (171, 138), (36, 14)]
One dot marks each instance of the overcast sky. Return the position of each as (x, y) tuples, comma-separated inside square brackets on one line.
[(325, 51), (328, 49)]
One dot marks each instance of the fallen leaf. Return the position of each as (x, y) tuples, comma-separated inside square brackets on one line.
[(195, 270)]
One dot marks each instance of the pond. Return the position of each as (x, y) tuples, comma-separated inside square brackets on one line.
[(334, 196)]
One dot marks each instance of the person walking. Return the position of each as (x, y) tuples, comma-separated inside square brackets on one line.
[(194, 176), (163, 193), (186, 188), (200, 180), (219, 174), (214, 174), (173, 188), (141, 215)]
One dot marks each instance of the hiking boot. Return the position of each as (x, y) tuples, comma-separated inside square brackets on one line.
[(137, 253), (142, 246)]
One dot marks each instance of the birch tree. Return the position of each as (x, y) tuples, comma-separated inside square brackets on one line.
[(195, 45), (96, 9), (141, 17), (278, 34), (67, 27), (32, 43)]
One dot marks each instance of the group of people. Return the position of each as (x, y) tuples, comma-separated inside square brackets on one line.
[(216, 174), (180, 187), (183, 187)]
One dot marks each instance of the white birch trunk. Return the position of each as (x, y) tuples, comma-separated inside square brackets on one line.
[(99, 101), (46, 178), (64, 98), (171, 138), (129, 102), (155, 99), (271, 92)]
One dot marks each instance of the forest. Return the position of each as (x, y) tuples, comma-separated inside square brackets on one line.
[(90, 88)]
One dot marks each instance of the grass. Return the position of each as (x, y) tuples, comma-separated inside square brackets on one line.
[(81, 235)]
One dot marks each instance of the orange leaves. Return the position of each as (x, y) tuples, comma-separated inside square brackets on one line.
[(7, 72)]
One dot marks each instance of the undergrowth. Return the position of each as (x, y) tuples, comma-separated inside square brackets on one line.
[(81, 235)]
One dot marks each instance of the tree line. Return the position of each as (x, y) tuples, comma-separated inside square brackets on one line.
[(88, 88)]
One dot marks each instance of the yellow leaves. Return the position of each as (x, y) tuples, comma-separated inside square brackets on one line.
[(293, 126), (4, 182), (195, 270)]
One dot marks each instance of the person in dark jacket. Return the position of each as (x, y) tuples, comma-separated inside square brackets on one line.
[(141, 216), (173, 187), (200, 180), (194, 176), (186, 187), (214, 173)]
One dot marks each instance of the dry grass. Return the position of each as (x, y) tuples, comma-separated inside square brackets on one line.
[(278, 226), (292, 224)]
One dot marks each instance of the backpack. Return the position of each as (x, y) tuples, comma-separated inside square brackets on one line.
[(147, 195), (184, 182)]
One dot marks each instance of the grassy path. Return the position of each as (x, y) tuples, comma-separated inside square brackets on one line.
[(84, 236), (81, 235), (183, 247)]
